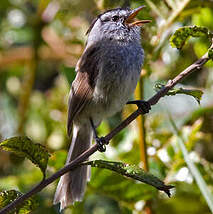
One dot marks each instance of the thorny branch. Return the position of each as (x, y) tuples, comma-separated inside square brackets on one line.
[(84, 156)]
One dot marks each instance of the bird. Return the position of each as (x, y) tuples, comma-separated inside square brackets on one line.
[(107, 75)]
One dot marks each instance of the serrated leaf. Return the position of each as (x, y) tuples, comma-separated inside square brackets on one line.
[(116, 186), (6, 197), (210, 53), (179, 38), (131, 171), (196, 93), (23, 146)]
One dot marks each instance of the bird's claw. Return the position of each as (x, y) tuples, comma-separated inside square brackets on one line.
[(144, 105), (101, 144)]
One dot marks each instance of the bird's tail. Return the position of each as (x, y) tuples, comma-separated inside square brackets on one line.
[(72, 185)]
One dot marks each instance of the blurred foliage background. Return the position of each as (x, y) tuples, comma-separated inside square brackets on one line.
[(40, 43)]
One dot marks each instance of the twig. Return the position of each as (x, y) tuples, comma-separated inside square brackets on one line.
[(180, 7), (171, 18), (155, 9), (84, 156), (172, 4), (49, 180)]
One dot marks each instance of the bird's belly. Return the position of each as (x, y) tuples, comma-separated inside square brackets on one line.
[(117, 78), (111, 95)]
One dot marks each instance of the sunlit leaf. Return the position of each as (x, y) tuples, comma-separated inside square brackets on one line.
[(179, 38), (210, 53), (196, 93), (116, 186), (57, 160), (6, 197), (23, 146), (132, 171)]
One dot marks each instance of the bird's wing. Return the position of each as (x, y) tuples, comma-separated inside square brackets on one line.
[(83, 86)]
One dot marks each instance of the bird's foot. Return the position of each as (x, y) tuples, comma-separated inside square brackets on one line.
[(144, 105), (101, 142)]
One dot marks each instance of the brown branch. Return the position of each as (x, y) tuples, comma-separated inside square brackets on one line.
[(84, 156)]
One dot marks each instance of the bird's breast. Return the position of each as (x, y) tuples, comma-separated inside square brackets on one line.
[(118, 75)]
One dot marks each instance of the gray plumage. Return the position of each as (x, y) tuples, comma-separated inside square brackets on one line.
[(107, 74), (71, 186)]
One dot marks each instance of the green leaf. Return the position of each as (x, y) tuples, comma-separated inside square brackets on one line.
[(196, 93), (179, 38), (23, 146), (210, 53), (131, 171), (68, 72), (6, 197), (119, 188), (58, 159)]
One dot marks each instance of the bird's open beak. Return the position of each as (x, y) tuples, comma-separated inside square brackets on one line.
[(130, 20)]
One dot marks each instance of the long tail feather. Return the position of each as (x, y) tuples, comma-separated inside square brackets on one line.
[(71, 186)]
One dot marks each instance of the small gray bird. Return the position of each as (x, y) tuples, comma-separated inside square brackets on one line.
[(107, 74)]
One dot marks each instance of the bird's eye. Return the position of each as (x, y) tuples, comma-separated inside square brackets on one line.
[(115, 18)]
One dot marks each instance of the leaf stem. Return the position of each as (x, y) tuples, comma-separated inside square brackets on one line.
[(175, 13)]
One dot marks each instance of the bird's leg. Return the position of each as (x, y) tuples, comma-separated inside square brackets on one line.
[(99, 140), (144, 105)]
